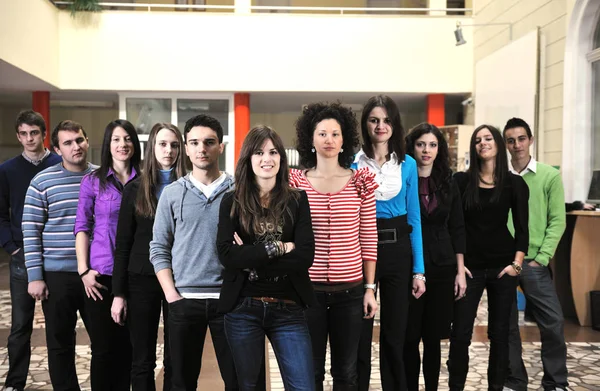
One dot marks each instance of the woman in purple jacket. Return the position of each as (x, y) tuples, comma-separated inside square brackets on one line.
[(95, 232)]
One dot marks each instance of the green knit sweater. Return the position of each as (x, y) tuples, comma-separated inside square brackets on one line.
[(547, 215)]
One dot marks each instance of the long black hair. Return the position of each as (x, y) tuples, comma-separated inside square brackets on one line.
[(106, 159), (441, 172), (396, 141), (471, 196)]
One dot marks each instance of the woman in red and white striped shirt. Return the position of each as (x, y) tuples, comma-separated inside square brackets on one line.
[(342, 204)]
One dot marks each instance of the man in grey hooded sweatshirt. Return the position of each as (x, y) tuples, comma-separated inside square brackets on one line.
[(184, 255)]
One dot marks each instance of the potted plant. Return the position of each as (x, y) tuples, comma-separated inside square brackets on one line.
[(85, 6)]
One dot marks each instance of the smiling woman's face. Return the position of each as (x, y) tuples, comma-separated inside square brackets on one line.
[(485, 145)]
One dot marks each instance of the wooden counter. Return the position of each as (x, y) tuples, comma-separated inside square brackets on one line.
[(585, 262)]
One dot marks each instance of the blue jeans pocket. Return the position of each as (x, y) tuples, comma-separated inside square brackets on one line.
[(294, 309)]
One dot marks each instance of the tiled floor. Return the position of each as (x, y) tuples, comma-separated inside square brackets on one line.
[(583, 355)]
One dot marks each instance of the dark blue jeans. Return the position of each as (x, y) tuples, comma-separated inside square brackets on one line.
[(189, 319), (339, 316), (19, 340), (285, 326), (501, 295)]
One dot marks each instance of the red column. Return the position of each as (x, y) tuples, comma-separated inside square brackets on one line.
[(436, 113), (241, 104), (41, 104)]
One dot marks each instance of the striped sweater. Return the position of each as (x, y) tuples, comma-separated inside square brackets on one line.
[(344, 225), (48, 220)]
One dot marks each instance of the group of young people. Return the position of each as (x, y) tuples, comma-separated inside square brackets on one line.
[(294, 255)]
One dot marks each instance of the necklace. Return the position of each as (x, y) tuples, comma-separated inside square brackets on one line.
[(493, 183)]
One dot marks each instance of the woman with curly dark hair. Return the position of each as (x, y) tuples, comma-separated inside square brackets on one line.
[(400, 245), (443, 231), (342, 204)]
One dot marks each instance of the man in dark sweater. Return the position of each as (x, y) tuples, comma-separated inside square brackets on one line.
[(15, 175)]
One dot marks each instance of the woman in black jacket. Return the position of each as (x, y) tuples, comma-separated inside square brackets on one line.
[(443, 231), (138, 295), (266, 243)]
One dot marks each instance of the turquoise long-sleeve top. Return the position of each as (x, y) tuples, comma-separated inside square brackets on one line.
[(406, 202)]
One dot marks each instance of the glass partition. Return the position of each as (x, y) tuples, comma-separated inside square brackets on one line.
[(146, 109)]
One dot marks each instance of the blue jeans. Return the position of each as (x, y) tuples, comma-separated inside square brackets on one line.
[(23, 307), (285, 326)]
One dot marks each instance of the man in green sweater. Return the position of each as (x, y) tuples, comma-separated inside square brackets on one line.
[(547, 221)]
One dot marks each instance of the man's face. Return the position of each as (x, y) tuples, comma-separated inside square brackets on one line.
[(518, 142), (73, 147), (31, 138), (203, 147)]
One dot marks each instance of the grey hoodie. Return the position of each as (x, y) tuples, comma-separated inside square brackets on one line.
[(185, 236)]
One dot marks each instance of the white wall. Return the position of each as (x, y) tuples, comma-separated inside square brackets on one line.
[(505, 88), (262, 52), (29, 37), (526, 15)]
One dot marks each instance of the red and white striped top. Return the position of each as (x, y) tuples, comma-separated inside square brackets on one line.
[(345, 227)]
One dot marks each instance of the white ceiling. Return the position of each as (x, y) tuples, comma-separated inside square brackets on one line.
[(15, 79)]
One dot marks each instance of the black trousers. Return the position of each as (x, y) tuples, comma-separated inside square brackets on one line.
[(23, 308), (111, 347), (394, 274), (429, 319), (338, 317), (60, 312), (188, 321), (501, 295), (144, 303)]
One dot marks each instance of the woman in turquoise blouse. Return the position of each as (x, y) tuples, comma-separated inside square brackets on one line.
[(400, 267)]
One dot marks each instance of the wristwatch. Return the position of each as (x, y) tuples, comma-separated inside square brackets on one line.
[(518, 269), (370, 286)]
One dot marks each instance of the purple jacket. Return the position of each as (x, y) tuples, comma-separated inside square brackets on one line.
[(97, 215)]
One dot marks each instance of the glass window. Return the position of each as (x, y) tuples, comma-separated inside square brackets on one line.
[(396, 4), (596, 117), (188, 108), (143, 113)]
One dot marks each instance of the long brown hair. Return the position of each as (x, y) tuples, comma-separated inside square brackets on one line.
[(146, 201), (247, 202)]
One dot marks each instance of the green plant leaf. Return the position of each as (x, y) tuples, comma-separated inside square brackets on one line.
[(84, 6)]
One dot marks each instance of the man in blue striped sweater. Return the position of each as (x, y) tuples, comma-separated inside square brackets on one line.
[(15, 175), (48, 220)]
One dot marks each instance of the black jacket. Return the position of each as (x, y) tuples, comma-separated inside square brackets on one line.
[(134, 233), (443, 230), (235, 258)]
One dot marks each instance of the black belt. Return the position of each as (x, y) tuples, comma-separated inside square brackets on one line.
[(390, 235)]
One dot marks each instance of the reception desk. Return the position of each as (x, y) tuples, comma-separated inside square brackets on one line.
[(577, 265)]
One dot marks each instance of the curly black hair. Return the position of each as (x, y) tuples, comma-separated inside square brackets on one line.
[(306, 124)]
